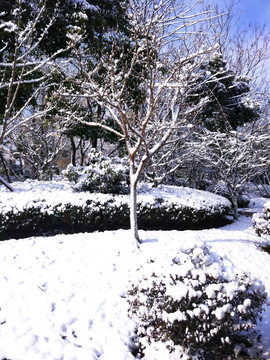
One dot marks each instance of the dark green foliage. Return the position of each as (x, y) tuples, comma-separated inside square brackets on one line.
[(102, 175), (92, 133), (64, 219), (94, 215), (56, 37), (20, 16), (7, 39), (227, 106), (111, 182), (187, 304), (165, 216), (100, 16), (107, 14)]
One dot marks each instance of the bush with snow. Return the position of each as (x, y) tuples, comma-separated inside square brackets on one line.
[(37, 208), (192, 305), (220, 188), (104, 175), (64, 218), (110, 214), (261, 222)]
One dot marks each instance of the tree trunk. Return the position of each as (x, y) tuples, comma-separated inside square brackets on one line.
[(94, 143), (82, 154), (5, 168), (235, 207), (133, 204), (73, 151), (6, 184)]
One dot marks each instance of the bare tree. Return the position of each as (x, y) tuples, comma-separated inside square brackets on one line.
[(164, 46), (245, 46), (26, 74), (246, 53), (234, 157), (38, 145)]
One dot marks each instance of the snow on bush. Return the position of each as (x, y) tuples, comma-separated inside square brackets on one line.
[(40, 217), (38, 207), (191, 305), (261, 222), (103, 174), (220, 188)]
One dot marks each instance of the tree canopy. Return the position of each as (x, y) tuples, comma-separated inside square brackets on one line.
[(228, 104)]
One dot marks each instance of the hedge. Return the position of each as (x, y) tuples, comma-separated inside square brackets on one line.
[(44, 220)]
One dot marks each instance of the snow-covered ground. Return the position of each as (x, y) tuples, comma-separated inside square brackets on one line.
[(63, 297)]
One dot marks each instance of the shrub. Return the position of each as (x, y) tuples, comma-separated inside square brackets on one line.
[(261, 222), (191, 304), (64, 218), (165, 215), (221, 189), (106, 215), (104, 175), (69, 212)]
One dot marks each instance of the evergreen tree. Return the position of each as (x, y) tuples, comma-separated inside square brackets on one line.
[(105, 27), (227, 105), (38, 33)]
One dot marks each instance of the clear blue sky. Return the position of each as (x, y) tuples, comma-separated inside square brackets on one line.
[(257, 11)]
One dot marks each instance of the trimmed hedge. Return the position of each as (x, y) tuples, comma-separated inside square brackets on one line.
[(109, 215), (171, 216)]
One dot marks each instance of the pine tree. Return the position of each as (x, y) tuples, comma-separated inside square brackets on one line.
[(227, 105)]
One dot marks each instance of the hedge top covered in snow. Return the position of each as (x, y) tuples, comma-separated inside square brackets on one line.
[(49, 194)]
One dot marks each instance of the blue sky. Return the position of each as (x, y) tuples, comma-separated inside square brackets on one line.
[(257, 11)]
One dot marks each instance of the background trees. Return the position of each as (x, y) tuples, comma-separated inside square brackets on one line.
[(230, 159), (27, 73), (162, 81), (33, 43), (230, 84), (228, 103)]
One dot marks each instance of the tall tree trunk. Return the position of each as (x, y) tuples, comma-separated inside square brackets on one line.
[(82, 154), (233, 193), (133, 203), (73, 151)]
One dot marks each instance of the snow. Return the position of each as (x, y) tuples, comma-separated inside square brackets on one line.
[(86, 5), (49, 194), (221, 311), (9, 26), (63, 297)]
